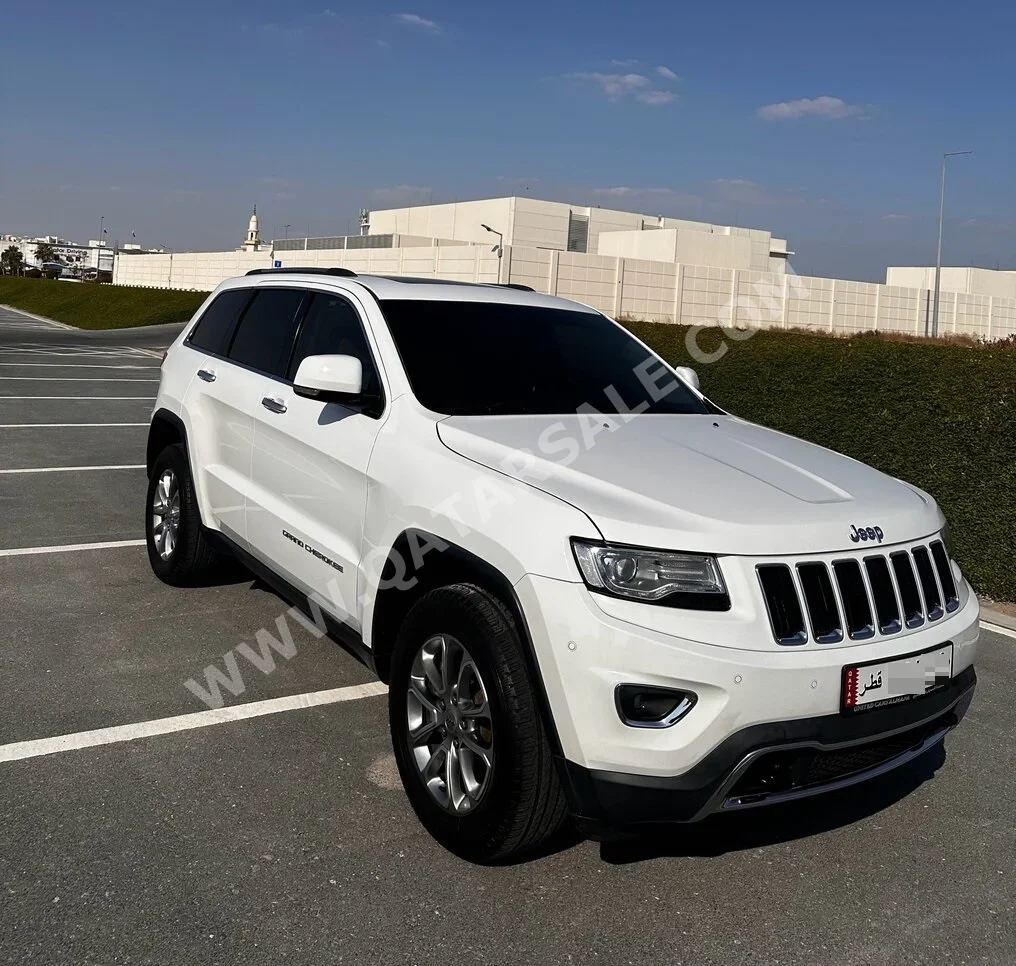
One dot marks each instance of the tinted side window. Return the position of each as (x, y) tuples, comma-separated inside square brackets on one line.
[(265, 337), (332, 328), (215, 327)]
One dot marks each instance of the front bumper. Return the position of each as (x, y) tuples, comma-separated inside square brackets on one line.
[(750, 704), (888, 738)]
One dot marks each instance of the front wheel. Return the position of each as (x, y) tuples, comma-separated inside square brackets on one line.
[(466, 729)]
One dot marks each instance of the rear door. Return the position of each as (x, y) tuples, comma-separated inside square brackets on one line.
[(310, 460), (219, 407)]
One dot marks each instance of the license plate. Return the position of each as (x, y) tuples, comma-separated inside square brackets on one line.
[(881, 683)]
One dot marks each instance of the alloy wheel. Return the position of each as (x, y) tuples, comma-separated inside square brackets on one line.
[(449, 723), (166, 514)]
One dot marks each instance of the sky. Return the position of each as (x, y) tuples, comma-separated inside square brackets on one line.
[(823, 123)]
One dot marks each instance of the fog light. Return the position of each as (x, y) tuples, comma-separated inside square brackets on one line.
[(646, 706)]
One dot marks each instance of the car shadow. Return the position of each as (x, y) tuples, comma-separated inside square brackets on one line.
[(226, 572), (772, 825)]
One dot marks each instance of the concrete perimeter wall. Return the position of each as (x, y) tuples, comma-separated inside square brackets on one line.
[(623, 287)]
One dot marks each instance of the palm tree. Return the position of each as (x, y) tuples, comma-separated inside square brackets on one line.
[(11, 261), (44, 253)]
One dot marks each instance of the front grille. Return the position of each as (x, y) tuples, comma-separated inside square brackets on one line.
[(779, 772), (815, 601)]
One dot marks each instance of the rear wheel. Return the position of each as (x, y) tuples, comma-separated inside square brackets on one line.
[(466, 730), (177, 548)]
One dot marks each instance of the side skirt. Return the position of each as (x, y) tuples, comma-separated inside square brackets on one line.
[(343, 635)]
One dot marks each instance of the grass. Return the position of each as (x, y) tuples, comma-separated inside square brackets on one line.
[(940, 416), (90, 306)]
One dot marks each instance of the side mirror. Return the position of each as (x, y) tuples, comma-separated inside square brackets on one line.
[(329, 378), (689, 375)]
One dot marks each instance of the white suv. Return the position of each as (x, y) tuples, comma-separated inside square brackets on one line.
[(592, 592)]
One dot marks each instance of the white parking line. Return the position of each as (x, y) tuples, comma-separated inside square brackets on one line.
[(71, 365), (75, 379), (146, 398), (71, 548), (74, 469), (76, 350), (186, 722), (998, 629), (64, 425)]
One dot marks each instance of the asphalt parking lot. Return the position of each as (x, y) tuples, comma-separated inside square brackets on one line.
[(286, 837)]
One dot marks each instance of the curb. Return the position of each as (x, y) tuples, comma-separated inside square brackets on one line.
[(38, 318), (993, 620)]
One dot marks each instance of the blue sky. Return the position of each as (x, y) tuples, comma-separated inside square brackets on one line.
[(823, 123)]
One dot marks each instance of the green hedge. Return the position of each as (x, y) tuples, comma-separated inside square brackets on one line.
[(942, 417), (90, 306)]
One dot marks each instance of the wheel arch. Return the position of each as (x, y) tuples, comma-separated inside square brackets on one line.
[(165, 429), (449, 563)]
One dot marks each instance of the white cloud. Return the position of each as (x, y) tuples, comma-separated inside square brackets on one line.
[(383, 44), (407, 194), (666, 73), (640, 195), (619, 86), (328, 12), (422, 23), (626, 64), (615, 86), (655, 98), (895, 217), (829, 108), (744, 192)]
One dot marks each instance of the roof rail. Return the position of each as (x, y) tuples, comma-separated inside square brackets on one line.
[(339, 272)]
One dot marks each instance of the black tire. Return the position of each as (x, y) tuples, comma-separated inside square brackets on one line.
[(191, 556), (523, 805)]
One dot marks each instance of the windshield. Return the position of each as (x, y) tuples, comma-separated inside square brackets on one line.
[(479, 358)]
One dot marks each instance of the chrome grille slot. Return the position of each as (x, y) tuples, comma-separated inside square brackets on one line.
[(856, 606), (782, 602), (820, 600), (887, 608), (929, 586), (913, 609), (945, 575)]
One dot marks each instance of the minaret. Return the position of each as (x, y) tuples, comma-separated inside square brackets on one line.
[(253, 242)]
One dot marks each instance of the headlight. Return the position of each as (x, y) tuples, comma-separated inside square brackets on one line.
[(654, 576)]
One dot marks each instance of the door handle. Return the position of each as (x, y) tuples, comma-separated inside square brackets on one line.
[(273, 404), (207, 374)]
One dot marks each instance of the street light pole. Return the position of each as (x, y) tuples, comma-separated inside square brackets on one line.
[(500, 248), (941, 223)]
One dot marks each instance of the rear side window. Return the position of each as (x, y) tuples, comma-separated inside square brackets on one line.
[(264, 340), (215, 328), (332, 327)]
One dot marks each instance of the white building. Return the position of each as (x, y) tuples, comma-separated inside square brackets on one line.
[(75, 259), (65, 252), (554, 226), (626, 264), (966, 281)]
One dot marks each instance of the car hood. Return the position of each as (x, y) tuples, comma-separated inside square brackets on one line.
[(715, 484)]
